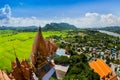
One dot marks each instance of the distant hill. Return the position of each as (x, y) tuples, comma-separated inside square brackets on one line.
[(59, 26), (116, 28), (24, 28), (47, 27), (109, 28)]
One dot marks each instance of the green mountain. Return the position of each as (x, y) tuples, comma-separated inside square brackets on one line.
[(59, 26)]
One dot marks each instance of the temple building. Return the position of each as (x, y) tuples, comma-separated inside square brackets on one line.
[(21, 70), (41, 52), (51, 47), (105, 72), (3, 76)]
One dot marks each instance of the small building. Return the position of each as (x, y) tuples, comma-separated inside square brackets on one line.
[(61, 52), (60, 71), (57, 71)]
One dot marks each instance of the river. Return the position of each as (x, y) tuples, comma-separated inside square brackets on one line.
[(110, 33)]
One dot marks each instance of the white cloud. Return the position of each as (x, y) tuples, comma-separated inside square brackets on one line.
[(5, 13), (88, 20)]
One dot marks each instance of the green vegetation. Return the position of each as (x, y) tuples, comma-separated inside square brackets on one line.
[(22, 42), (52, 78), (61, 60), (79, 69), (83, 45)]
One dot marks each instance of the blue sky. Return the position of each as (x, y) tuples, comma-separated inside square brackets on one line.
[(61, 9)]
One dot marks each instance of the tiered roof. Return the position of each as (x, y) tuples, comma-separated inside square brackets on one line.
[(21, 70), (103, 70), (41, 52)]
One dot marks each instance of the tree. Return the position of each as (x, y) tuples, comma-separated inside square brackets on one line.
[(61, 60), (80, 70)]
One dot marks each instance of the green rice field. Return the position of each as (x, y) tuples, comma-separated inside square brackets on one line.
[(22, 42)]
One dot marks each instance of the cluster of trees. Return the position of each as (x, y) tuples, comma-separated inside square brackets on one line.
[(113, 60), (61, 60), (101, 42), (79, 69)]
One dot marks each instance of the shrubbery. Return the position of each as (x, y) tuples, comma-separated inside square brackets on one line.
[(61, 60), (79, 69)]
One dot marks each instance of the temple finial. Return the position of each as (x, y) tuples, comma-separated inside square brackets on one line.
[(39, 28)]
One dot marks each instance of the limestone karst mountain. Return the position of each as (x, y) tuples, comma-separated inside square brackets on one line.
[(59, 26)]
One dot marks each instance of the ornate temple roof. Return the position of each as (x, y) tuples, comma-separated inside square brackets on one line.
[(21, 70), (3, 76), (42, 49), (105, 72)]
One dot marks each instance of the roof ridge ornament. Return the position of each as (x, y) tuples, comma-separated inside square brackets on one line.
[(17, 60)]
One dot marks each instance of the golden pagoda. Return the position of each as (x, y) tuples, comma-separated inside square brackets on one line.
[(41, 51)]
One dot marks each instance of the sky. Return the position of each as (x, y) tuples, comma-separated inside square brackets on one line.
[(81, 13)]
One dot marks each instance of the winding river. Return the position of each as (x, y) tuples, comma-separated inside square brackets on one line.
[(110, 33)]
